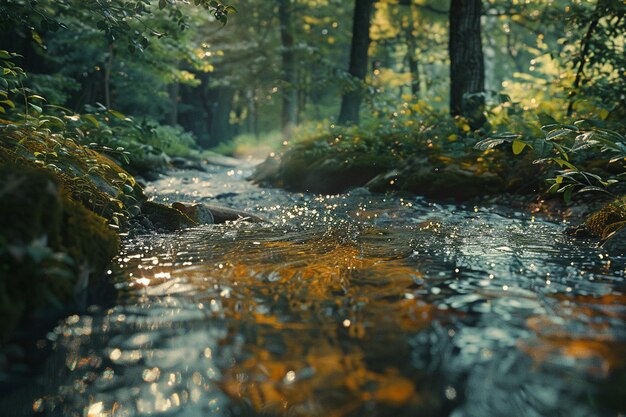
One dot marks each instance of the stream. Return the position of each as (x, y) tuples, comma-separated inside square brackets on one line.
[(347, 305)]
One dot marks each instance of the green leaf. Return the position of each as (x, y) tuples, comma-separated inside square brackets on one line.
[(518, 147), (37, 38), (230, 9), (592, 188), (553, 189), (36, 108), (563, 163), (567, 194), (546, 119), (92, 119), (559, 133), (8, 103), (488, 143), (117, 114), (162, 4), (35, 96)]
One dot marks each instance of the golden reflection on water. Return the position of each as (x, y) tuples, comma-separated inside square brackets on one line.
[(326, 315), (329, 312), (336, 321)]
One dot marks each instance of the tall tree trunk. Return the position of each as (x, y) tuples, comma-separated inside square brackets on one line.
[(108, 69), (584, 51), (290, 77), (467, 65), (174, 93), (304, 82), (413, 63), (351, 100), (222, 104)]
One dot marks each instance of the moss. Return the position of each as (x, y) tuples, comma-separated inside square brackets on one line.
[(397, 161), (92, 178), (166, 218), (87, 237), (447, 182), (47, 242), (34, 193), (606, 221)]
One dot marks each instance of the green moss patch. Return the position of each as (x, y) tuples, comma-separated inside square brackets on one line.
[(417, 161), (606, 222), (48, 242)]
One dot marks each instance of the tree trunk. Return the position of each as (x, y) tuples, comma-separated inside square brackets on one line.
[(351, 100), (467, 66), (220, 128), (413, 63), (108, 69), (584, 51), (174, 93), (290, 92)]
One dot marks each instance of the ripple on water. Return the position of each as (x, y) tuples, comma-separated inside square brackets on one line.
[(348, 305)]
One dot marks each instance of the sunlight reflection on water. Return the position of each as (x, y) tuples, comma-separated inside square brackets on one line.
[(348, 305)]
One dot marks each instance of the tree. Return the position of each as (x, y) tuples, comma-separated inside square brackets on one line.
[(351, 99), (289, 74), (467, 66)]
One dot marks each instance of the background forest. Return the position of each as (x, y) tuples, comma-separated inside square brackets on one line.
[(428, 73)]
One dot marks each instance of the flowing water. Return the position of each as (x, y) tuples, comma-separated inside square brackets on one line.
[(346, 305)]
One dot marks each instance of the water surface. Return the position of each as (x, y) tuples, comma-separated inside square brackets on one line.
[(346, 305)]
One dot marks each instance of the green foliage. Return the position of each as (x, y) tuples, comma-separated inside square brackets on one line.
[(597, 54), (419, 149), (10, 80), (606, 222), (54, 142), (577, 149), (113, 18), (173, 140)]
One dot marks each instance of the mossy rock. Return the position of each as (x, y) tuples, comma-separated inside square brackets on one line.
[(166, 218), (319, 167), (421, 177), (47, 242), (604, 222), (31, 193), (92, 178), (298, 170), (87, 237)]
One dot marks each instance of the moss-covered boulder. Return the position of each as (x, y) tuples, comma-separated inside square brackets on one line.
[(166, 218), (426, 176), (52, 249), (607, 224), (91, 178), (62, 205), (440, 182), (327, 174), (423, 160), (210, 214)]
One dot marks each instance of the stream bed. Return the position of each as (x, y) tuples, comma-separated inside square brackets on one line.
[(347, 305)]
